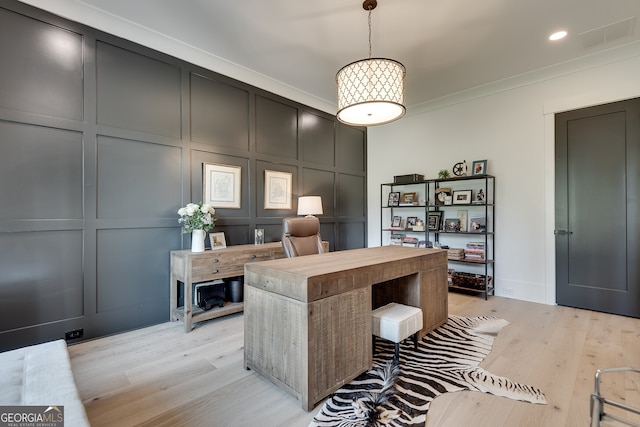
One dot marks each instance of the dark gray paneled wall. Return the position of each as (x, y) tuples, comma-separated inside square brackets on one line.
[(102, 140)]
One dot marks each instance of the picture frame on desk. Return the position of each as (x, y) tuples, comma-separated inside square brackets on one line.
[(218, 241)]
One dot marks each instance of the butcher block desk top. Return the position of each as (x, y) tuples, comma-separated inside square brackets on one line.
[(308, 318)]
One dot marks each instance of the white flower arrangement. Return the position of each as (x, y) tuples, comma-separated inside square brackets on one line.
[(197, 216)]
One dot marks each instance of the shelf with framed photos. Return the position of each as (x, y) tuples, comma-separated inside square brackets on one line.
[(461, 218), (403, 213)]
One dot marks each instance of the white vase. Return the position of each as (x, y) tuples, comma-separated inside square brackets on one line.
[(197, 240)]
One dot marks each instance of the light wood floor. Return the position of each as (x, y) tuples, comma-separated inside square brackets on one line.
[(160, 376)]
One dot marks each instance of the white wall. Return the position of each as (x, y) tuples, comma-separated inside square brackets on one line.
[(510, 123)]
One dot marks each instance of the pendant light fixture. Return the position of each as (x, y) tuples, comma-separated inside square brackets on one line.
[(371, 91)]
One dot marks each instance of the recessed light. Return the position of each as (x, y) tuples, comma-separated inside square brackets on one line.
[(558, 35)]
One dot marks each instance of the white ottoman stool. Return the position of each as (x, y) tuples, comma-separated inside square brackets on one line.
[(396, 322)]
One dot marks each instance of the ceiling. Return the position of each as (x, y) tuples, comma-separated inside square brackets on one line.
[(447, 46)]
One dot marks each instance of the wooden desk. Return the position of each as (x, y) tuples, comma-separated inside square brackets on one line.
[(308, 319)]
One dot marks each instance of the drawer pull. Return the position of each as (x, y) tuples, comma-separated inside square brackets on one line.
[(253, 256), (214, 271), (214, 260)]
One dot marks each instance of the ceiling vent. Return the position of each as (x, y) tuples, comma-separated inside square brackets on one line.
[(608, 34)]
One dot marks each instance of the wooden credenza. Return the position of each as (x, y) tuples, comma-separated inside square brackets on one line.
[(192, 267), (308, 319)]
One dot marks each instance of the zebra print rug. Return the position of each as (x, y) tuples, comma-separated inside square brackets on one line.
[(446, 360)]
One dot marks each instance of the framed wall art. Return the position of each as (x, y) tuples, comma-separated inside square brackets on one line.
[(277, 190), (221, 185)]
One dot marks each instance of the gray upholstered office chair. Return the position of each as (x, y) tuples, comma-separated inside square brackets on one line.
[(301, 236)]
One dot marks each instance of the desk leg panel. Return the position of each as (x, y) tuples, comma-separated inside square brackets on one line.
[(275, 339), (434, 296), (339, 341), (309, 350)]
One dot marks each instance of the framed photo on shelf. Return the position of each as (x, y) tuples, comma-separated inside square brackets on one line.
[(277, 190), (478, 224), (479, 167), (433, 221), (217, 240), (394, 199), (396, 221), (221, 185), (409, 197), (462, 197), (411, 221), (452, 224)]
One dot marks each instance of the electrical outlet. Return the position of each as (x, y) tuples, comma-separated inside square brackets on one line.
[(507, 291), (75, 334)]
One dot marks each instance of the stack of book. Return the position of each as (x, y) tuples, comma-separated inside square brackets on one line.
[(410, 241), (455, 253), (475, 251)]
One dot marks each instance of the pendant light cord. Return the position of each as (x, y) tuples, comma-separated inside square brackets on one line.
[(370, 9)]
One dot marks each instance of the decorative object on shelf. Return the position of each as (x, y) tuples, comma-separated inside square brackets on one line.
[(462, 197), (434, 220), (394, 199), (441, 194), (455, 253), (277, 190), (462, 216), (460, 168), (478, 224), (370, 91), (419, 225), (452, 224), (448, 200), (480, 197), (470, 280), (197, 219), (310, 205), (409, 199), (479, 167), (221, 185), (218, 240), (411, 222), (396, 221), (407, 179), (443, 174)]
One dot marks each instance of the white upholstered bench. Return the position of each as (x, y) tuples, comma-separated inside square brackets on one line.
[(396, 322), (40, 375)]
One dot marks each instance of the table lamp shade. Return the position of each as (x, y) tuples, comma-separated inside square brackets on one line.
[(309, 205)]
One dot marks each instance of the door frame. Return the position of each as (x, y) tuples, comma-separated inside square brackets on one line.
[(551, 108)]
